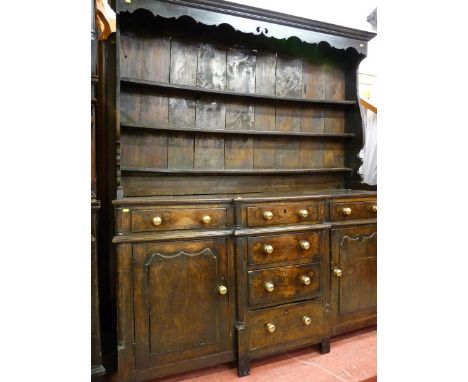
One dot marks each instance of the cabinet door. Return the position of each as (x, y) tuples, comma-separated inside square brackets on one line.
[(354, 289), (179, 311)]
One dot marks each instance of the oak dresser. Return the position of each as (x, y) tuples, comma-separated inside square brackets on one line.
[(238, 233)]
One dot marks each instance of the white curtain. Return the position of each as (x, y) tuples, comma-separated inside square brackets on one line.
[(368, 154)]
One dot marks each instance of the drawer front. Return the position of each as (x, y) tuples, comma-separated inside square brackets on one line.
[(289, 213), (281, 284), (290, 322), (160, 219), (353, 210), (282, 248)]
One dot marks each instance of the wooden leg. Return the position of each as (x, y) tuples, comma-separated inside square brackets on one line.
[(243, 366), (324, 346)]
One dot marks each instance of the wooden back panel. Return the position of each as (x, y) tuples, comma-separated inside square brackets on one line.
[(204, 65)]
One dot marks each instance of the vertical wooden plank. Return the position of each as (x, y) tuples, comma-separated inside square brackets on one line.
[(265, 115), (156, 58), (140, 294), (153, 147), (182, 112), (180, 151), (312, 120), (288, 77), (288, 118), (210, 114), (130, 107), (287, 155), (180, 147), (334, 82), (184, 57), (211, 71), (333, 155), (265, 81), (311, 155), (264, 153), (334, 121), (143, 150), (125, 321), (241, 70), (130, 55), (239, 116), (209, 153), (238, 153), (154, 108), (313, 75)]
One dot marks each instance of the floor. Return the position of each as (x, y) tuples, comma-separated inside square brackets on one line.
[(353, 357)]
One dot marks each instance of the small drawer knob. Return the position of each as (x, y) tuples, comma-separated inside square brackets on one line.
[(270, 327), (303, 213), (374, 208), (222, 289), (305, 280), (306, 320), (157, 220), (304, 244), (267, 248), (268, 215), (337, 272), (269, 287), (347, 211), (206, 219)]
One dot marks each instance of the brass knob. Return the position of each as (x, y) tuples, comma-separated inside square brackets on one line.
[(374, 208), (157, 220), (303, 213), (347, 211), (270, 287), (206, 219), (222, 289), (305, 280), (268, 215), (306, 320), (267, 248), (337, 272), (270, 327), (304, 244)]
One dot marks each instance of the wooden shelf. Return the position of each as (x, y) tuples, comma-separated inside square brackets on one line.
[(162, 127), (198, 90), (236, 172)]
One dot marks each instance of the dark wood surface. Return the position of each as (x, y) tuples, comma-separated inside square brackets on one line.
[(219, 92), (354, 293), (359, 210), (282, 214), (287, 284), (178, 218), (97, 362), (285, 248), (179, 313), (289, 324), (207, 120)]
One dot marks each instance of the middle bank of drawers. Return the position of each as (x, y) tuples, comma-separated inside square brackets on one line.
[(286, 255)]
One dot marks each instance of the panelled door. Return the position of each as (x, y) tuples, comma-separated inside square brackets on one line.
[(181, 301), (354, 276)]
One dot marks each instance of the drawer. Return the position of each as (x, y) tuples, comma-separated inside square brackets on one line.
[(290, 213), (282, 248), (353, 210), (281, 284), (299, 321), (160, 219)]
